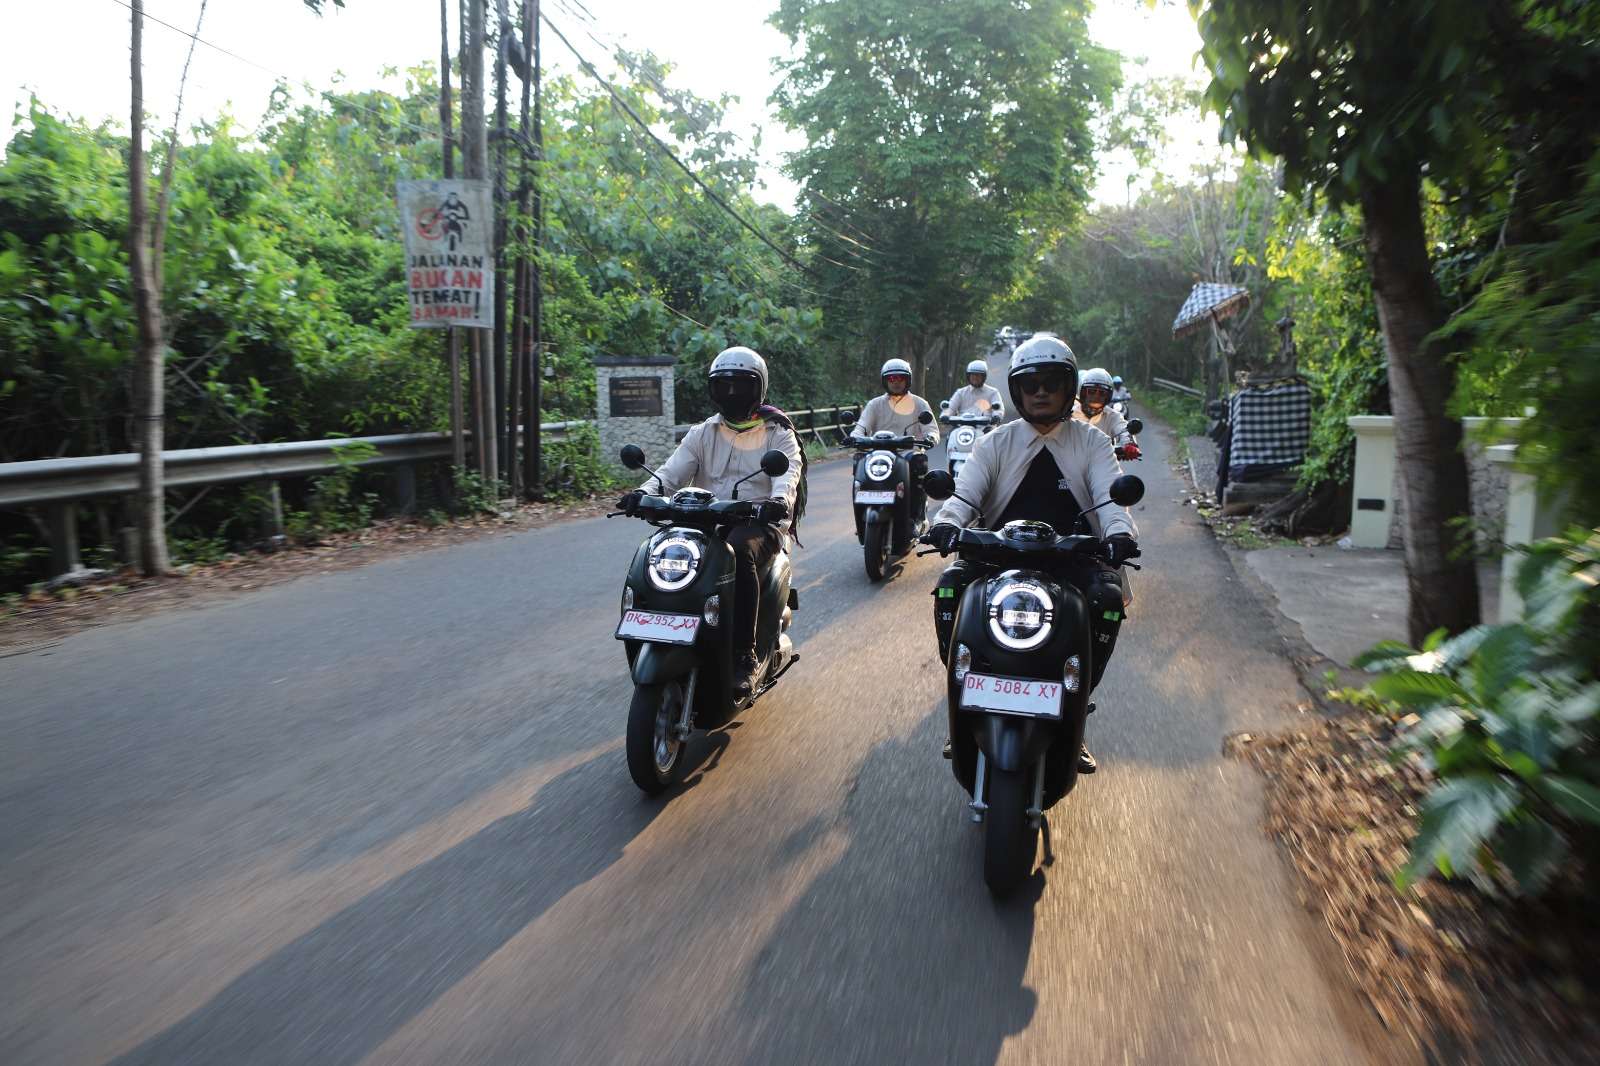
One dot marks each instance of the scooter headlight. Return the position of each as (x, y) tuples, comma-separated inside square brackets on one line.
[(963, 437), (675, 559), (1020, 613), (879, 466)]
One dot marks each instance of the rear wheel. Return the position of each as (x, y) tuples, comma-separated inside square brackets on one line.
[(877, 550), (655, 754), (1010, 841)]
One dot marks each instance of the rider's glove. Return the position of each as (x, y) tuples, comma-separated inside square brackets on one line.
[(1119, 548), (1129, 450), (629, 504), (942, 535), (771, 511)]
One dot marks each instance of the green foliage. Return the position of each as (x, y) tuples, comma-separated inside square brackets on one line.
[(474, 493), (1539, 319), (573, 468), (1185, 414), (1508, 718)]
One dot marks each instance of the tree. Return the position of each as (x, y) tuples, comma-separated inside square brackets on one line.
[(948, 144), (1360, 100)]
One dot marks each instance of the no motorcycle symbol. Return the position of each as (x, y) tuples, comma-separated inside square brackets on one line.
[(446, 222)]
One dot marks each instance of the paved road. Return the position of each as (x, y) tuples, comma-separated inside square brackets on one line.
[(382, 816)]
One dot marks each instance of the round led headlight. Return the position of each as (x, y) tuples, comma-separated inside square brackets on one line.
[(880, 465), (675, 559), (1020, 614), (964, 437)]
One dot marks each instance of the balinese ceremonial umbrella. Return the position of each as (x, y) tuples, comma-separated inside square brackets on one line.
[(1209, 303)]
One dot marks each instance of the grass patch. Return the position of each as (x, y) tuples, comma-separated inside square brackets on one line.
[(1185, 414)]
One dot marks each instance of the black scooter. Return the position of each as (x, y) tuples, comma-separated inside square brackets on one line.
[(884, 487), (1019, 666), (675, 602)]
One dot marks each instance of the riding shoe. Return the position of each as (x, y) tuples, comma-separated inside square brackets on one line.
[(744, 675)]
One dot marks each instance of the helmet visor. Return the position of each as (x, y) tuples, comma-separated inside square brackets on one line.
[(735, 395), (1095, 395), (1047, 381)]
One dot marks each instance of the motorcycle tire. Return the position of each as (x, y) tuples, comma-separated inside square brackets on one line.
[(877, 550), (655, 756), (1010, 841)]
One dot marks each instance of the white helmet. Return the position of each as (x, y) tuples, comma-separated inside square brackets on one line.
[(895, 366), (1037, 355), (978, 366), (1095, 378), (737, 381)]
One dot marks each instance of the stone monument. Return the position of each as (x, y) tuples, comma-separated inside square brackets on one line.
[(635, 403)]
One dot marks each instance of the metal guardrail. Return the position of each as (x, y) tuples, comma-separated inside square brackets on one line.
[(1175, 387), (59, 484), (55, 481)]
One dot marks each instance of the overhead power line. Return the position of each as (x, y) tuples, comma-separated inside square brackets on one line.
[(662, 145)]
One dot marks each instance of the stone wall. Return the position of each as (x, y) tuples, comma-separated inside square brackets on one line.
[(652, 432), (1490, 482)]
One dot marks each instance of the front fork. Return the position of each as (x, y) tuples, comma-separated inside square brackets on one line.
[(1035, 811)]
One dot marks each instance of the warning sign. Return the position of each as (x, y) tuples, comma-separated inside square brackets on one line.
[(449, 230)]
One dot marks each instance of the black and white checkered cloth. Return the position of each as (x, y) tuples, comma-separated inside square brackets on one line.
[(1205, 299), (1271, 425)]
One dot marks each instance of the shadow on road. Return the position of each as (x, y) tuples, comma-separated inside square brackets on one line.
[(339, 991), (896, 953)]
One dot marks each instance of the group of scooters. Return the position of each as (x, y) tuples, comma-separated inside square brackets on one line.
[(1017, 669)]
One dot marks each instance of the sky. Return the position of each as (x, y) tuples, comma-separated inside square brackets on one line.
[(716, 47)]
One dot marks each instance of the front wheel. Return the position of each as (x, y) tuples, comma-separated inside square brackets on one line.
[(1010, 840), (877, 550), (655, 754)]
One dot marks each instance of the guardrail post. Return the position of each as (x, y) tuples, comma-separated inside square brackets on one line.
[(63, 524), (403, 489), (272, 513)]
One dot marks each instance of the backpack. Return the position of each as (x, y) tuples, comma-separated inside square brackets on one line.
[(770, 413)]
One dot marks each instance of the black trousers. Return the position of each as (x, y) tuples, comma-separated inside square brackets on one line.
[(1101, 587), (754, 546)]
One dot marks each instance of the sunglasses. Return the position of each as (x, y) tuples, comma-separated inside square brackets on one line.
[(1042, 383)]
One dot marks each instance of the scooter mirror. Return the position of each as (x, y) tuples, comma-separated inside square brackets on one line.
[(944, 405), (847, 418), (1126, 491), (940, 485), (925, 417), (633, 457), (1136, 426), (774, 463)]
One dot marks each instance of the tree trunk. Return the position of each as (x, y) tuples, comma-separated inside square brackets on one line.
[(148, 390), (1441, 574)]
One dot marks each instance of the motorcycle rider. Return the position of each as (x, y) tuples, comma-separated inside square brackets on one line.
[(1049, 467), (1119, 391), (899, 411), (976, 397), (715, 455), (1093, 407)]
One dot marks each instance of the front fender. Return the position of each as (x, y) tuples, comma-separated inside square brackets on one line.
[(1004, 740), (875, 514), (656, 663)]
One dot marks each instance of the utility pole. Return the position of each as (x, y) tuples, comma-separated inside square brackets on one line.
[(452, 336), (504, 440), (535, 356), (475, 153)]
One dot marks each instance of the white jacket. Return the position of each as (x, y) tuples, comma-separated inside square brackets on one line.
[(975, 400), (715, 456), (898, 415), (1001, 459), (1109, 421)]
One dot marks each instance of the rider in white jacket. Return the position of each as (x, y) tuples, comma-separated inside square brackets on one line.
[(1094, 396), (1045, 466), (716, 455), (976, 397), (899, 411)]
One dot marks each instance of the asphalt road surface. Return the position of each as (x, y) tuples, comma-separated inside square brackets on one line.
[(383, 816)]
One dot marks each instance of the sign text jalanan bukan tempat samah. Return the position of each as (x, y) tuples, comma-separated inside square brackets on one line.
[(449, 227)]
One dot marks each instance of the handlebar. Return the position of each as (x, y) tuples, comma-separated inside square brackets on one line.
[(980, 541), (890, 444)]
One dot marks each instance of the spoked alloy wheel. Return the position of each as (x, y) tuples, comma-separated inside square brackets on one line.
[(1010, 840), (655, 754), (877, 550)]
